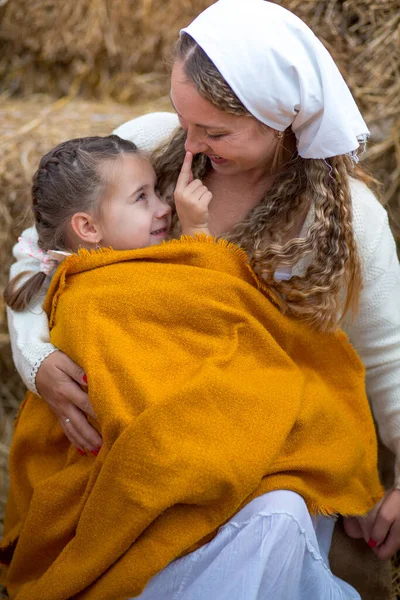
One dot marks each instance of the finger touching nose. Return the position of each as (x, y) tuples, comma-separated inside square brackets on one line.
[(194, 143)]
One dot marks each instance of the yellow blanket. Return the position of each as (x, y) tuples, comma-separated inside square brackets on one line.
[(205, 395)]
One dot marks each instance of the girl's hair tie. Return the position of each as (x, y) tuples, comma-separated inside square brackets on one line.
[(48, 260)]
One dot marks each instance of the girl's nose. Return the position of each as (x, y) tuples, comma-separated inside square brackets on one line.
[(163, 209), (194, 142)]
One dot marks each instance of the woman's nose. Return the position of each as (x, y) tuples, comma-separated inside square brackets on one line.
[(194, 142)]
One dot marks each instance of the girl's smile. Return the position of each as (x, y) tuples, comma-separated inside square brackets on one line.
[(132, 214)]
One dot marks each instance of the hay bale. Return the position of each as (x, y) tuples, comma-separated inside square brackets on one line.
[(101, 48), (131, 36)]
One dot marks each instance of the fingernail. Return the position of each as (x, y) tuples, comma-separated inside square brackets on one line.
[(84, 378), (94, 452), (81, 452), (372, 543)]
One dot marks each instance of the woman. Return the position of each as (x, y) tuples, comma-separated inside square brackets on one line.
[(244, 133)]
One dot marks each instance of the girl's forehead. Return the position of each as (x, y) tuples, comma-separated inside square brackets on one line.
[(127, 171), (126, 163)]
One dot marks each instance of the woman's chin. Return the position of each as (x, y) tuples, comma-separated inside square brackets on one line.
[(221, 165)]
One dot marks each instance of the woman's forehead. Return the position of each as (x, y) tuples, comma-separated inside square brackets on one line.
[(192, 107)]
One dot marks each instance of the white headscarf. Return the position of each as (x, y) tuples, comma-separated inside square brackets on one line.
[(282, 74), (148, 131)]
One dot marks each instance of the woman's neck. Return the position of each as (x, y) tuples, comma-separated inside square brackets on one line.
[(233, 198)]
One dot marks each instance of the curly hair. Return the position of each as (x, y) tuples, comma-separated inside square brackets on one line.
[(332, 282)]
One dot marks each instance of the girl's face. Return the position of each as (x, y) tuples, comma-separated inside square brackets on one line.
[(132, 214), (234, 144)]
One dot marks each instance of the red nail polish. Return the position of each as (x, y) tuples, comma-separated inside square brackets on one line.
[(372, 543), (84, 379), (81, 452), (94, 452)]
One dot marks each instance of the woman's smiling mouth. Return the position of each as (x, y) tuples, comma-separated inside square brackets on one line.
[(216, 159)]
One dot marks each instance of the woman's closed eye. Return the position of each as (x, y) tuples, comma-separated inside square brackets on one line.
[(215, 136)]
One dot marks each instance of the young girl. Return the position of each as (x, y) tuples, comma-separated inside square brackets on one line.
[(99, 192)]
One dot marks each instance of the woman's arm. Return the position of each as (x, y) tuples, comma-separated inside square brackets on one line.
[(375, 333)]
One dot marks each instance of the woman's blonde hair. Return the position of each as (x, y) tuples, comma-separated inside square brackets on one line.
[(332, 283)]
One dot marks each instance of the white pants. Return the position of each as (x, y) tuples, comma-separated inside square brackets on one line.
[(271, 550)]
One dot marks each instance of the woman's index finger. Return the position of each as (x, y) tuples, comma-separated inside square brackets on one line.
[(186, 175)]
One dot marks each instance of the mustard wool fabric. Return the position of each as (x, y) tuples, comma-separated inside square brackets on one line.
[(206, 396)]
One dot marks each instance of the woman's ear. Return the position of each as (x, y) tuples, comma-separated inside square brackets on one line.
[(86, 228)]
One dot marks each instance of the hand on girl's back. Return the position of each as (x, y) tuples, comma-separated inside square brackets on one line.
[(192, 200), (63, 384)]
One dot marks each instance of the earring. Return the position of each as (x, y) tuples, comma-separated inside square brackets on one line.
[(97, 246), (279, 134)]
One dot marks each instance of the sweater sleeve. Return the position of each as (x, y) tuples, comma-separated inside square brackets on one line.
[(375, 332), (29, 329)]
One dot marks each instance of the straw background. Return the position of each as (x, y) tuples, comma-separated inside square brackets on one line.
[(80, 68)]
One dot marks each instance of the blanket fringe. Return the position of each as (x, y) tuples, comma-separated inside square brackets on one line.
[(327, 511), (60, 289), (198, 238), (203, 238)]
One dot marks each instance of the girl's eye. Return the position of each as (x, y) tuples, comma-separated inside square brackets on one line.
[(215, 137), (141, 197)]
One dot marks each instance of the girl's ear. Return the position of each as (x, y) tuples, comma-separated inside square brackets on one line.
[(86, 228)]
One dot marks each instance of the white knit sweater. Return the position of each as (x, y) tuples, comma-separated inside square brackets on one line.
[(375, 332)]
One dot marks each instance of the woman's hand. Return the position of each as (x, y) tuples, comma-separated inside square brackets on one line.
[(192, 200), (59, 382), (381, 527)]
